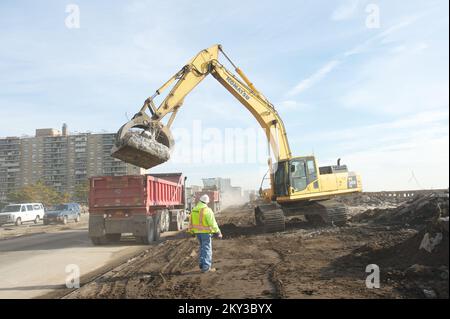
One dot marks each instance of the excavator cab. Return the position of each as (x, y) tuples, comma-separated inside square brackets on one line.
[(143, 142), (295, 174)]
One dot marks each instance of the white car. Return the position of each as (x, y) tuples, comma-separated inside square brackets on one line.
[(19, 213)]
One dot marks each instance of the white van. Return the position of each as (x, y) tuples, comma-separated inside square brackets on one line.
[(19, 213)]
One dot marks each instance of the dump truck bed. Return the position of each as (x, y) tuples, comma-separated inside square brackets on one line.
[(144, 191), (143, 205)]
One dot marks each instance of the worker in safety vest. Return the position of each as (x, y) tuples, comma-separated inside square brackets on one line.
[(202, 224)]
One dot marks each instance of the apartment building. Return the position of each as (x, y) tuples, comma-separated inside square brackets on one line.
[(60, 159), (9, 164)]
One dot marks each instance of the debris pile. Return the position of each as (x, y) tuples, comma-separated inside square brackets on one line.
[(419, 262), (419, 211), (372, 199)]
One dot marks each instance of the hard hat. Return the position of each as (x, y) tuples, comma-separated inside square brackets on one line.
[(204, 198)]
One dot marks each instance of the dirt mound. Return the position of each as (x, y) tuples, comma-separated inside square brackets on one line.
[(419, 262), (429, 247), (418, 211)]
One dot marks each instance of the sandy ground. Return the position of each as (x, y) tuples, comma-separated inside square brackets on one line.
[(302, 262)]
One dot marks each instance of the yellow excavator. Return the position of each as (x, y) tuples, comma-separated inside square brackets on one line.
[(298, 185)]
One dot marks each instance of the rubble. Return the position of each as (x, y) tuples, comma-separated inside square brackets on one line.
[(418, 211), (150, 151), (420, 261), (378, 199)]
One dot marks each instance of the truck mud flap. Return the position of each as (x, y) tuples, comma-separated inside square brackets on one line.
[(96, 226), (140, 225)]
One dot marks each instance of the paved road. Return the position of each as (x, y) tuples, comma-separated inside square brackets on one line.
[(32, 266)]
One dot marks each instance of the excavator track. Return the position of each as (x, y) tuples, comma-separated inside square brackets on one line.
[(319, 213), (327, 213), (270, 217)]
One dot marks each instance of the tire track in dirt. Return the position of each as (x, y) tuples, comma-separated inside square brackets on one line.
[(278, 291), (127, 279), (142, 279)]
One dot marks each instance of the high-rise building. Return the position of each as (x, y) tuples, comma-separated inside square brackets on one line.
[(9, 164), (60, 160)]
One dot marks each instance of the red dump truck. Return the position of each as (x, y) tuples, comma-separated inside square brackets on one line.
[(144, 205), (214, 199)]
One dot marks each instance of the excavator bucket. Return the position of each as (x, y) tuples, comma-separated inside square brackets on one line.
[(143, 142)]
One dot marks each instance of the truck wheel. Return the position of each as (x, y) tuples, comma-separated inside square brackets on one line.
[(174, 222), (36, 220), (46, 222), (113, 238), (150, 237), (65, 220), (77, 220), (18, 221), (180, 221), (163, 221), (157, 227), (166, 217)]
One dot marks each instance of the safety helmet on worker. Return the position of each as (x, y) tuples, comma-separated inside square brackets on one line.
[(204, 198)]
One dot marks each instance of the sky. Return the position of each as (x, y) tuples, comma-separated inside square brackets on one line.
[(364, 81)]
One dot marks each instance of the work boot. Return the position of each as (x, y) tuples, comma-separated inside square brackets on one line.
[(209, 270)]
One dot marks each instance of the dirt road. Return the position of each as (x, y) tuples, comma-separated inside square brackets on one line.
[(302, 262)]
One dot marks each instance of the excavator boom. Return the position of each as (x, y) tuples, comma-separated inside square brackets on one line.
[(151, 146)]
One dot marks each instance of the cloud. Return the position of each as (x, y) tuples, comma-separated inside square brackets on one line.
[(405, 22), (389, 84), (390, 168), (381, 37), (314, 78), (385, 153), (345, 11), (357, 49)]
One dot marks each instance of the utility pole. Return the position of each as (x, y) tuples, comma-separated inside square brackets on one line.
[(413, 177)]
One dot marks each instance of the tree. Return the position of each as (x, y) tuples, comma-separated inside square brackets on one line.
[(38, 192), (81, 193)]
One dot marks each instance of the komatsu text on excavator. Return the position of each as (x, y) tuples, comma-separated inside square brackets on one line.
[(298, 185)]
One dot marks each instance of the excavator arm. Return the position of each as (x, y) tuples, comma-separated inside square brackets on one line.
[(298, 182), (183, 82)]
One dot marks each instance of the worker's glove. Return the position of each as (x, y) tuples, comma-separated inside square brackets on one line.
[(219, 235)]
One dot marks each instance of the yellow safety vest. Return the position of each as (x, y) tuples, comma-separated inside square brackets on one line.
[(197, 222)]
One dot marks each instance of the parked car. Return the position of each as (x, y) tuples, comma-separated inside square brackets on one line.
[(63, 213), (20, 213)]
